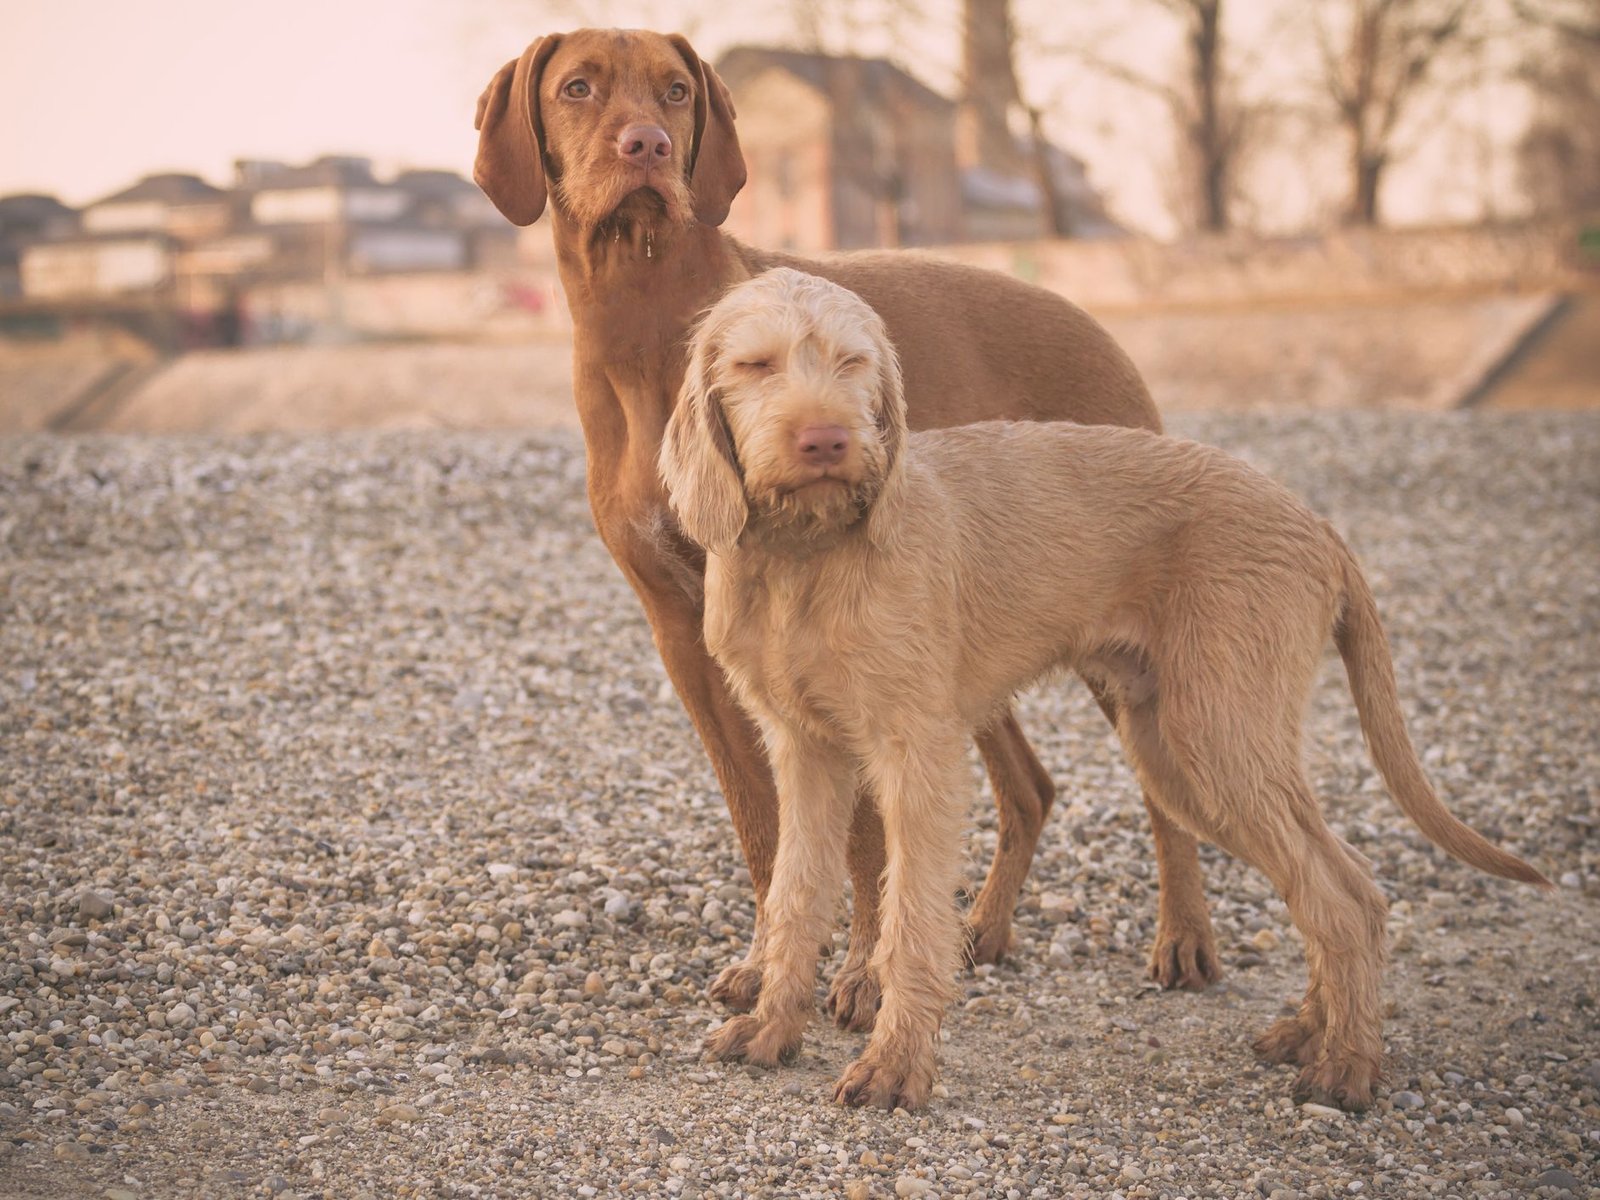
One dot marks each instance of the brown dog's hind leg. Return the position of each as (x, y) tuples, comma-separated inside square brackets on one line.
[(1023, 794)]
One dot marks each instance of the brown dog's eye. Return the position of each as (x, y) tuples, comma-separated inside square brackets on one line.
[(578, 89), (760, 365), (852, 361), (678, 93)]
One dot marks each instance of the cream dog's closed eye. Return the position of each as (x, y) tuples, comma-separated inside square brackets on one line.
[(873, 597)]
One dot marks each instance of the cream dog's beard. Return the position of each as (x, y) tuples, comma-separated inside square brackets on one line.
[(793, 521)]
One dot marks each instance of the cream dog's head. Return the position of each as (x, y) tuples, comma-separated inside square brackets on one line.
[(791, 419)]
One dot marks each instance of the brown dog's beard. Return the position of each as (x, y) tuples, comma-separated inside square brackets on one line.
[(615, 201)]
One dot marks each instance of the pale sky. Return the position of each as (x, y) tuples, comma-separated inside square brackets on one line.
[(98, 93)]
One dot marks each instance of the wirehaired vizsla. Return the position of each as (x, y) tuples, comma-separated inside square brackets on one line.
[(628, 138), (875, 596)]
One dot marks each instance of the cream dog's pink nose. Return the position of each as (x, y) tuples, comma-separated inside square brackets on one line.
[(822, 445)]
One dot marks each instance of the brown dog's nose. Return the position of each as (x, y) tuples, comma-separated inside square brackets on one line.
[(822, 445), (644, 145)]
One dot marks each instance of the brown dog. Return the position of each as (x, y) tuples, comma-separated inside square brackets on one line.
[(630, 139), (852, 596)]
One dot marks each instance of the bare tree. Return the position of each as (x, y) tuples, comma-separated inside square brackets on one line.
[(1391, 53), (1571, 20), (1211, 124), (1559, 154)]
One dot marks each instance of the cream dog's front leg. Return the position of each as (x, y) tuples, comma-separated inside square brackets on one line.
[(816, 798), (921, 783)]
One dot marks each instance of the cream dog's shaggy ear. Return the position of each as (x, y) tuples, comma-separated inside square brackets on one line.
[(698, 463), (889, 412)]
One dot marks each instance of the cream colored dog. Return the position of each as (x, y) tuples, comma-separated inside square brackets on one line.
[(874, 597)]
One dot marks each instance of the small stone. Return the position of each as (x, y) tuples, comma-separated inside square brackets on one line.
[(910, 1185), (121, 1193), (378, 948), (71, 1152), (1555, 1177), (1321, 1110), (498, 871), (180, 1014), (1406, 1100), (869, 1158), (189, 931), (1265, 939), (399, 1114), (618, 907), (594, 984), (858, 1189), (1515, 1119), (95, 906), (569, 918), (1571, 879)]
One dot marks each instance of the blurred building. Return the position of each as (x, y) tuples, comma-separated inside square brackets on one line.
[(847, 152), (24, 219), (198, 246)]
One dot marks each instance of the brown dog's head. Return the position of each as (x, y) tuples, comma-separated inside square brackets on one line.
[(792, 415), (613, 122)]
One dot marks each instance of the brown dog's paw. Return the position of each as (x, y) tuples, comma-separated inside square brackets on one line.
[(870, 1083), (751, 1040), (853, 998), (988, 940), (1291, 1040), (1348, 1085), (739, 986), (1186, 960)]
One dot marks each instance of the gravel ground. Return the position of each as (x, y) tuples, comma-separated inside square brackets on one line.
[(352, 844)]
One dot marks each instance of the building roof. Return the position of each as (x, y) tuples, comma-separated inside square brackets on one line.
[(167, 188), (824, 71), (331, 170), (31, 207), (436, 183)]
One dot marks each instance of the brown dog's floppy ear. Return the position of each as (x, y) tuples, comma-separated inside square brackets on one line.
[(510, 163), (698, 463), (716, 166)]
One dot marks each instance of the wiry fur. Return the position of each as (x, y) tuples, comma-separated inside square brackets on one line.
[(1197, 593)]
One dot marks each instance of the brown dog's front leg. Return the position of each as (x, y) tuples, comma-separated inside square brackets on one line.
[(854, 995), (673, 605)]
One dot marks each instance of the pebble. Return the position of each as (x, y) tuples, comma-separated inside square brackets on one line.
[(1322, 1111), (95, 906), (911, 1185), (1559, 1177)]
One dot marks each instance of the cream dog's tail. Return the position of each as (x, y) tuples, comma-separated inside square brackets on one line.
[(1359, 636)]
